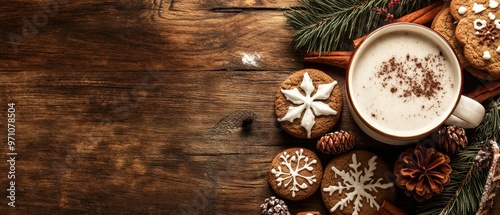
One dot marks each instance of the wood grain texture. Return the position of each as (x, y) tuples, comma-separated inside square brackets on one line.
[(108, 145), (122, 107), (109, 35)]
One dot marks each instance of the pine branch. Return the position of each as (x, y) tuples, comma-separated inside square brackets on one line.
[(493, 181), (490, 128), (328, 25), (463, 194)]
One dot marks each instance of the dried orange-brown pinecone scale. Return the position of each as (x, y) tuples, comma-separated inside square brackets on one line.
[(422, 172)]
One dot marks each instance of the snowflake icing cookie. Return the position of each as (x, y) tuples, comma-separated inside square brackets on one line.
[(478, 31), (356, 183), (308, 104), (295, 173)]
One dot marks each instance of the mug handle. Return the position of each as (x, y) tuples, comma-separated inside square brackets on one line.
[(468, 113)]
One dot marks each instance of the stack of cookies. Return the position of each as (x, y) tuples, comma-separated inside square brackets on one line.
[(472, 27), (307, 106)]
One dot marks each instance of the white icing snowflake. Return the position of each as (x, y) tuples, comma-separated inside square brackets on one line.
[(307, 103), (294, 171), (357, 184)]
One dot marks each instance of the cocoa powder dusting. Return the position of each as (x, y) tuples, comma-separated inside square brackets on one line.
[(415, 77)]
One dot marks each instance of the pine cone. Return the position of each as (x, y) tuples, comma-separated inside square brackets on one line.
[(484, 156), (451, 139), (422, 172), (274, 206), (336, 143)]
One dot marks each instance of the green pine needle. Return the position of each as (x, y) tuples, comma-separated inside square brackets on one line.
[(327, 25), (463, 194), (489, 129)]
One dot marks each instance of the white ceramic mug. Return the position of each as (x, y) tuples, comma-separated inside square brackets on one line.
[(404, 81)]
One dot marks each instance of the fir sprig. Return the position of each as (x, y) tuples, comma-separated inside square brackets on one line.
[(327, 25), (463, 194), (489, 129)]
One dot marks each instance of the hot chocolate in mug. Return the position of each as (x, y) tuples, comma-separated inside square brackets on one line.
[(403, 82)]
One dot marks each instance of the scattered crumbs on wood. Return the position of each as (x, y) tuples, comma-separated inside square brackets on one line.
[(250, 59)]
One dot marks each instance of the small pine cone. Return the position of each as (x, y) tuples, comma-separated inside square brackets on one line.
[(484, 156), (336, 143), (451, 139), (274, 206)]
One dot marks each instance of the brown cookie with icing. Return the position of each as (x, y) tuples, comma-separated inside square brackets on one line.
[(478, 32), (358, 181), (295, 173), (308, 104), (445, 25)]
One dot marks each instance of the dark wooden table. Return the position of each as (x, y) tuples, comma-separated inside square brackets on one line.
[(148, 106)]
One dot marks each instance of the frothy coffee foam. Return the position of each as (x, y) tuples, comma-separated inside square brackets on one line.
[(403, 83)]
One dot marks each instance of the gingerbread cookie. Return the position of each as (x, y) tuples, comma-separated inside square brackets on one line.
[(477, 32), (357, 183), (445, 25), (295, 173), (308, 104)]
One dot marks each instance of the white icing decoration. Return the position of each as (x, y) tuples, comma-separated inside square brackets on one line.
[(491, 15), (312, 108), (462, 10), (486, 55), (498, 49), (497, 23), (294, 171), (493, 4), (479, 24), (478, 8), (361, 184)]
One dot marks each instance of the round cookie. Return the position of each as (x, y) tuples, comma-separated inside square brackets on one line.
[(295, 173), (445, 25), (357, 183), (308, 104), (478, 31)]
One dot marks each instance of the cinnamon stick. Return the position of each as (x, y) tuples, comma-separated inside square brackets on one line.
[(428, 17), (335, 53), (419, 13), (336, 58), (487, 91), (420, 16), (389, 209), (358, 41)]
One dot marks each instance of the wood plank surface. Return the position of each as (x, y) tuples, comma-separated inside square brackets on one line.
[(150, 107)]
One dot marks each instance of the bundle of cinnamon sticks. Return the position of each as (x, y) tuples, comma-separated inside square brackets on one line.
[(341, 58), (485, 92)]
